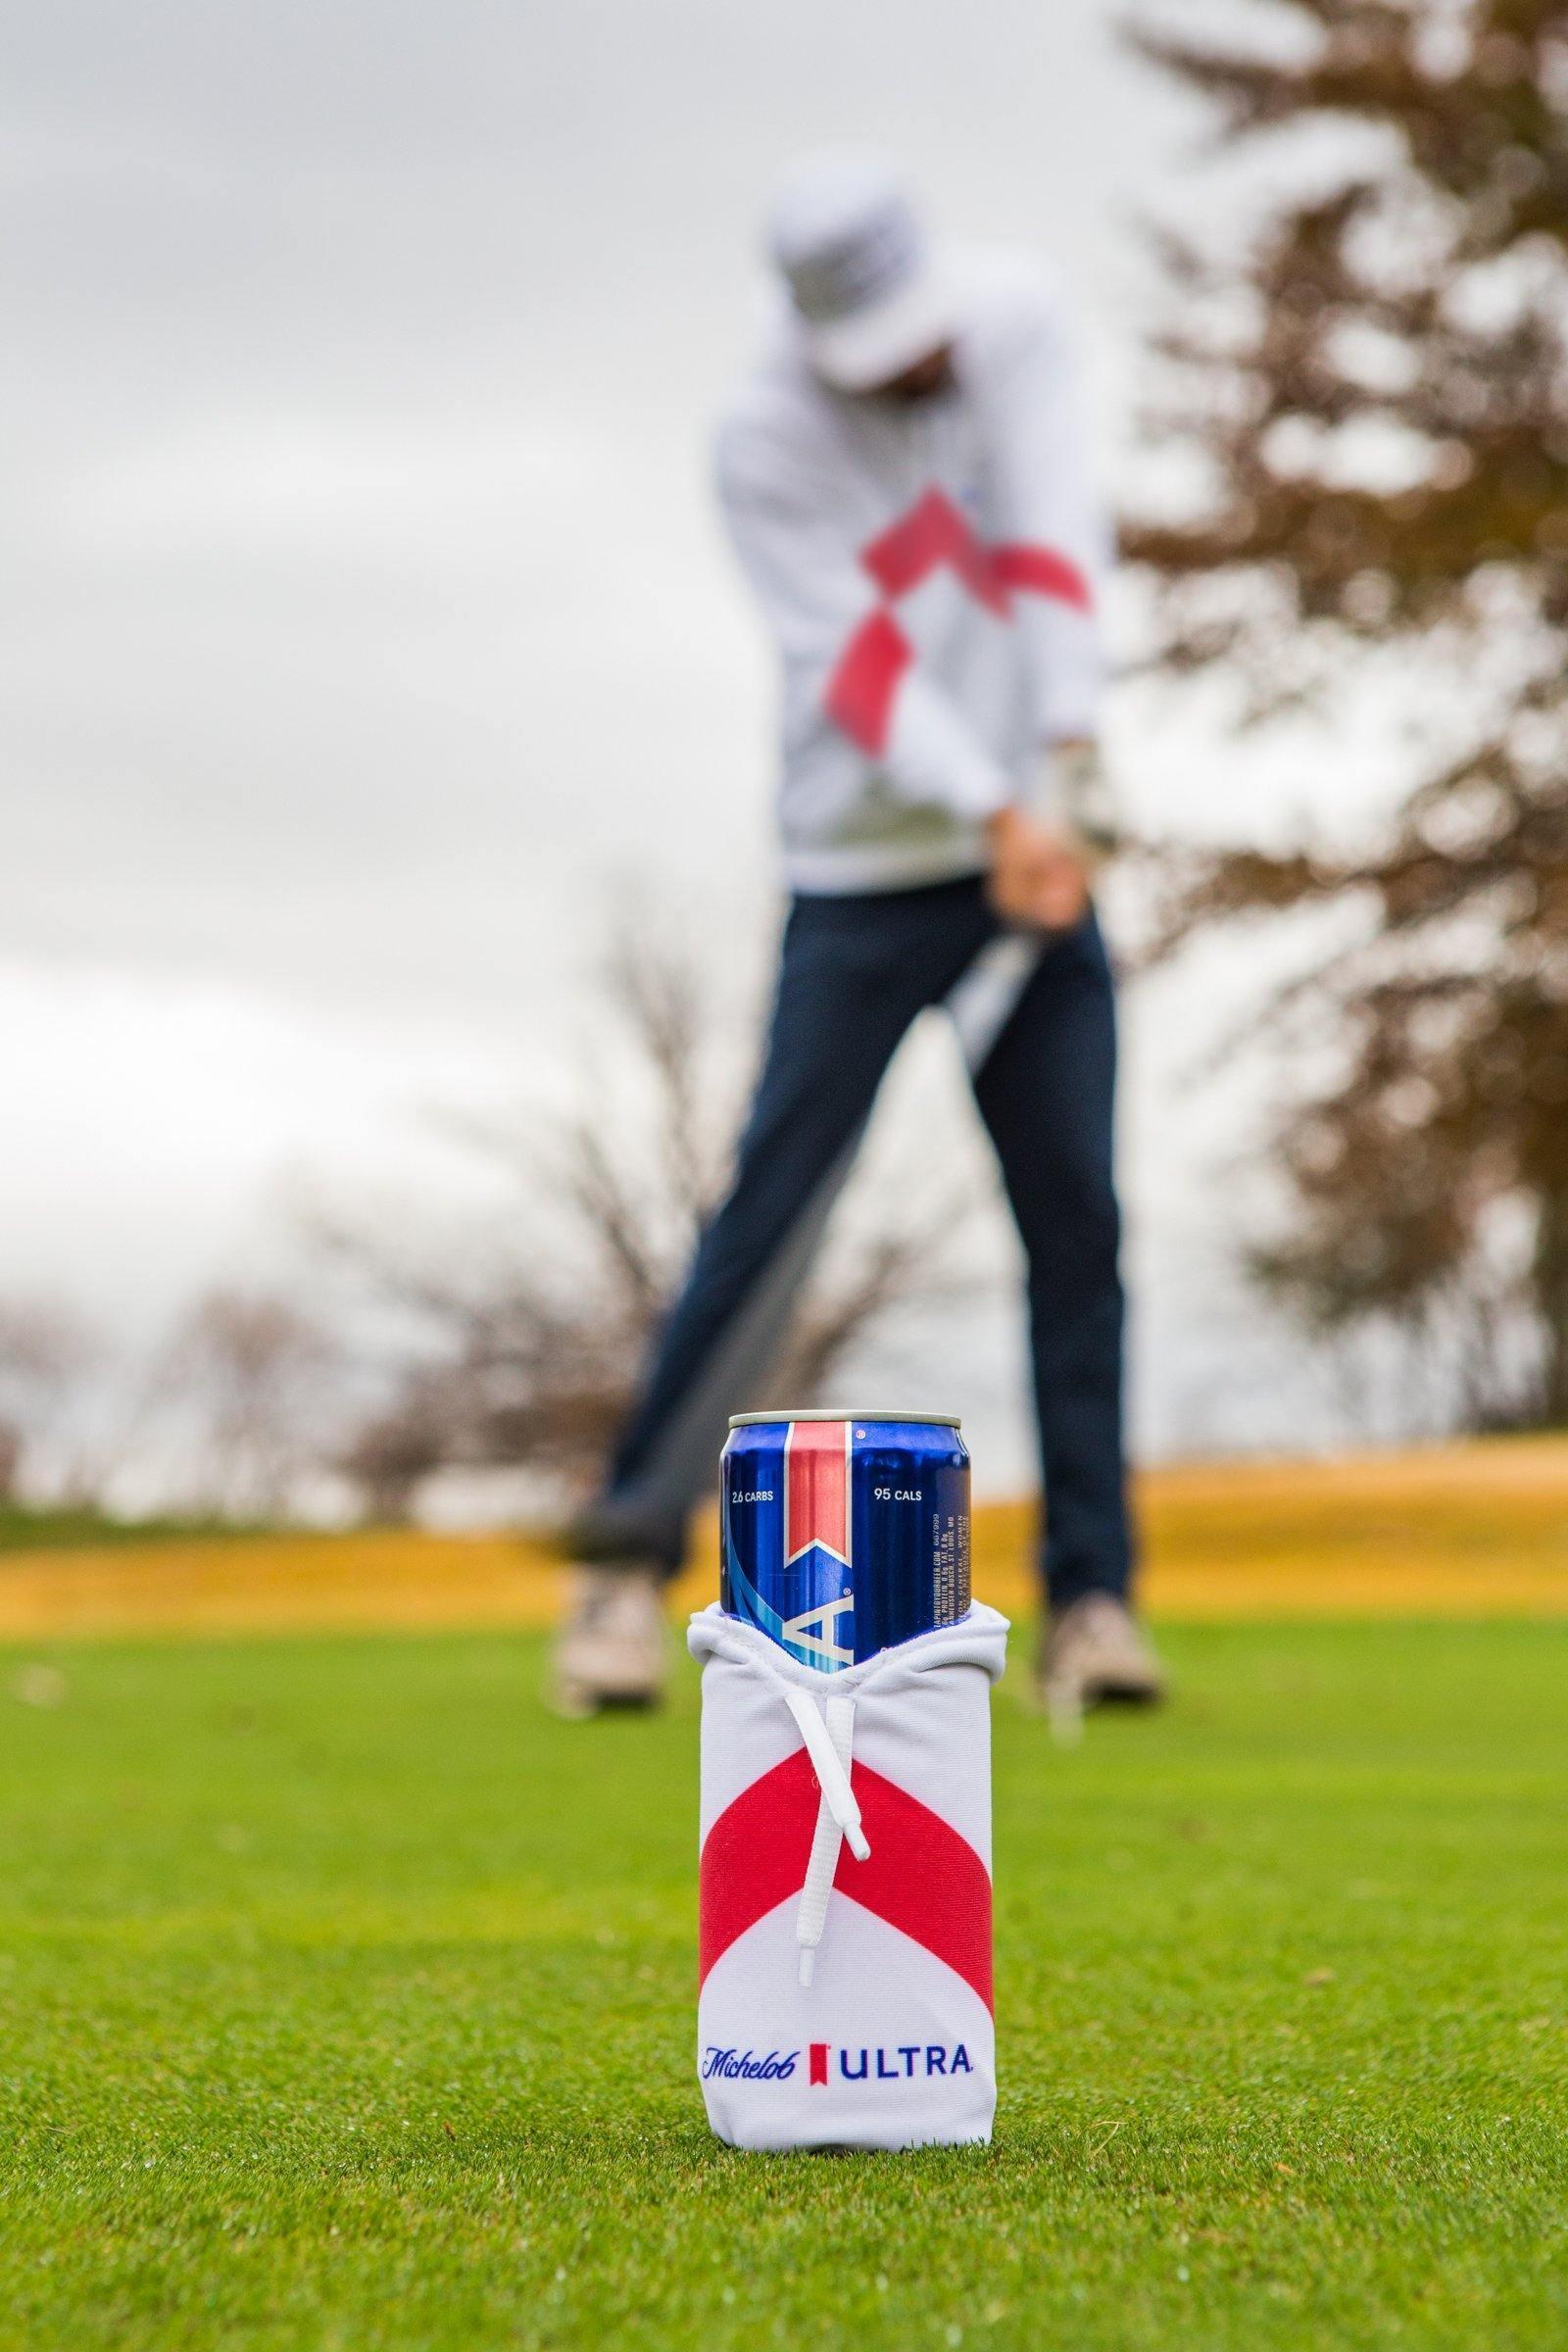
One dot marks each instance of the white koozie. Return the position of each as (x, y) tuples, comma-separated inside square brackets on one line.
[(845, 1891)]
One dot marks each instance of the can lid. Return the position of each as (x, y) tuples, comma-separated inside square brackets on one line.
[(834, 1414)]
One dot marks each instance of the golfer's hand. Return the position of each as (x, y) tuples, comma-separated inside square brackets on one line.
[(1039, 879)]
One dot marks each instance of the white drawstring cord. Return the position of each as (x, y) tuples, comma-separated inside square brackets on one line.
[(831, 1746), (832, 1768)]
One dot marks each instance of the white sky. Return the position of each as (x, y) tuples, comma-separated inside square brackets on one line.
[(364, 606)]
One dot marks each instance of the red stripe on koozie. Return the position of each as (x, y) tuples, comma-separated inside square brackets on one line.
[(1043, 572), (860, 692), (920, 1876)]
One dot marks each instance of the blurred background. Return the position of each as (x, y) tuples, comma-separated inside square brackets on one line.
[(386, 739)]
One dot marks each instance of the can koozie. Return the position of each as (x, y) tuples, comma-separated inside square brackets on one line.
[(845, 1949)]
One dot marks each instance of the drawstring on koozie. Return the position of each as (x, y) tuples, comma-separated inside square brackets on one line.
[(830, 1744)]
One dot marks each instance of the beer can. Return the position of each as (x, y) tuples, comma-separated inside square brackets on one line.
[(844, 1534)]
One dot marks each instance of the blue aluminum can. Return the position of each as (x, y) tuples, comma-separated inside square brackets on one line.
[(844, 1534)]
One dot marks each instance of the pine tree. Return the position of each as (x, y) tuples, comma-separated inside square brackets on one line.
[(1373, 382)]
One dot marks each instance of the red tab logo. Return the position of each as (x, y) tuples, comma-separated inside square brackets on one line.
[(816, 1488), (818, 2058)]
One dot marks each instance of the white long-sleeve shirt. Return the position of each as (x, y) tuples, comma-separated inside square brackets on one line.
[(930, 575)]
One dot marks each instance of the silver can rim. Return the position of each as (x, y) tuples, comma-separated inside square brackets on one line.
[(825, 1413)]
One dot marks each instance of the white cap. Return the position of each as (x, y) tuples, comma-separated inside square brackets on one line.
[(869, 299)]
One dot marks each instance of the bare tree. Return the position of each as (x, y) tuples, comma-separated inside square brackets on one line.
[(48, 1354), (10, 1460), (532, 1350), (248, 1374), (388, 1459)]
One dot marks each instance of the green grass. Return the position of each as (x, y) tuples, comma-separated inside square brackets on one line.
[(345, 2000)]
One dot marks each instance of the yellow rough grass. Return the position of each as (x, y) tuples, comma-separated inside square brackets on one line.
[(1477, 1529)]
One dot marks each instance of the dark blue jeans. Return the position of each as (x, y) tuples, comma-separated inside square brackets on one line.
[(855, 973)]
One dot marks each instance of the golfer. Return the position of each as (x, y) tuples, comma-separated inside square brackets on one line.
[(905, 476)]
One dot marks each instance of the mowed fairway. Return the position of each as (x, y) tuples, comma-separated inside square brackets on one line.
[(347, 2000)]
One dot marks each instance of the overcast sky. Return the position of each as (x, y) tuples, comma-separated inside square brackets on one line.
[(363, 604)]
